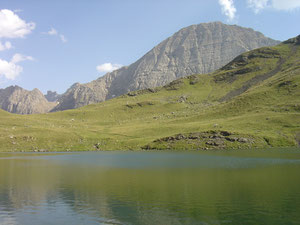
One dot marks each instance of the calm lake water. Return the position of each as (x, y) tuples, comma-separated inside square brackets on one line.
[(234, 187)]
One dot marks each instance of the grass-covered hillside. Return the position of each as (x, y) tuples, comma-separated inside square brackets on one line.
[(254, 101)]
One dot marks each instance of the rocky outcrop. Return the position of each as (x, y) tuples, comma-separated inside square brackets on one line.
[(206, 140), (52, 96), (15, 99), (195, 49)]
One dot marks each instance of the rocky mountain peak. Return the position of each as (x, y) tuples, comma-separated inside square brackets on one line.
[(52, 96), (15, 99), (196, 49)]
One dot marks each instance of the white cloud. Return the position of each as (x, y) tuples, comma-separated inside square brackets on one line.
[(228, 8), (18, 10), (5, 46), (287, 5), (9, 69), (12, 26), (19, 58), (257, 5), (54, 32), (108, 67)]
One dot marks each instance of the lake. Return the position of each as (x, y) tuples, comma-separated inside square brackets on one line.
[(207, 187)]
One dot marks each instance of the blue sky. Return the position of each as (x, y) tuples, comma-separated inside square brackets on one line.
[(52, 44)]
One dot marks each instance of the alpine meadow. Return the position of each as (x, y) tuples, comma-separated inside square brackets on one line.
[(161, 112), (252, 102)]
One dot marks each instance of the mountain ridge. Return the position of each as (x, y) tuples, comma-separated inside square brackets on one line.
[(52, 96), (186, 114), (15, 99), (180, 55)]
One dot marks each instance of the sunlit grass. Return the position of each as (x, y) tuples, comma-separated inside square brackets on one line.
[(268, 110)]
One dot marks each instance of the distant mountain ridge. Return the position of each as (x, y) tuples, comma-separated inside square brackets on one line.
[(15, 99), (52, 96), (250, 103), (196, 49)]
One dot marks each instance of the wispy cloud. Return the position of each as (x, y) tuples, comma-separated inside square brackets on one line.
[(19, 58), (5, 46), (10, 69), (286, 5), (108, 67), (12, 26), (54, 32), (63, 38), (228, 9), (257, 5), (18, 10)]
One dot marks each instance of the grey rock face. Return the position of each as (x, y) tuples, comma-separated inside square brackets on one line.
[(15, 99), (52, 96), (196, 49)]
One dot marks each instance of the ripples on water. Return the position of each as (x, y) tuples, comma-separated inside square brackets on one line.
[(237, 187)]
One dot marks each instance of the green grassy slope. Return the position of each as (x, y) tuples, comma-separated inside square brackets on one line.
[(255, 98)]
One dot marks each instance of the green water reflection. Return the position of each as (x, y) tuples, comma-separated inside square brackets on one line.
[(151, 188)]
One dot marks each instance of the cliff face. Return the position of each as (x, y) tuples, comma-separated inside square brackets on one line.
[(52, 96), (15, 99), (195, 49)]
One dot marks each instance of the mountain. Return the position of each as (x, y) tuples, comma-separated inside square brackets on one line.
[(196, 49), (252, 102), (52, 96), (15, 99)]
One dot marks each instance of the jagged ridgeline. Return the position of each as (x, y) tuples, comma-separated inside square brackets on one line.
[(254, 101), (15, 99), (196, 49)]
